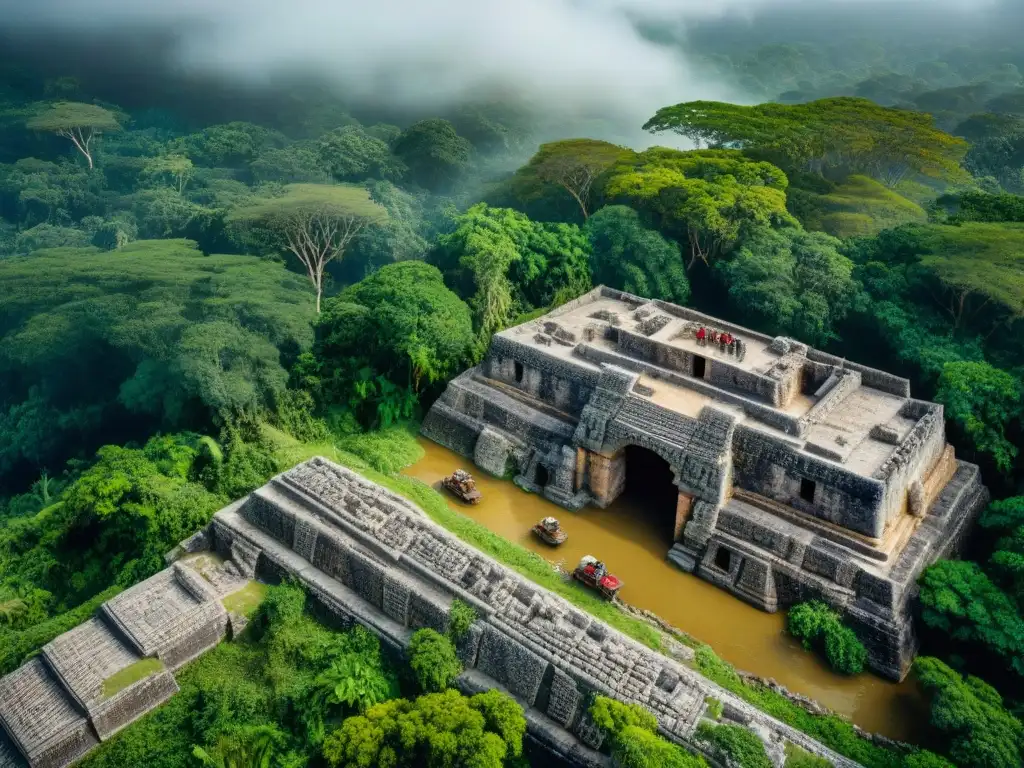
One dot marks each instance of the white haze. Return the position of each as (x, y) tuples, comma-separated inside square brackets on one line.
[(572, 56)]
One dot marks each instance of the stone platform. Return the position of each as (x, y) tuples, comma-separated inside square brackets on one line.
[(54, 708), (798, 475)]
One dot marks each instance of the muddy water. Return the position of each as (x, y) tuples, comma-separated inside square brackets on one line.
[(633, 541)]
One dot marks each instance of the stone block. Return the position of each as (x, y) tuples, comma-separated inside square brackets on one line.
[(493, 452), (564, 699), (511, 663)]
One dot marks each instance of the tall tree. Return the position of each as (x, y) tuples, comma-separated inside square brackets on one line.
[(177, 168), (628, 256), (434, 153), (315, 222), (845, 134), (574, 165), (76, 121), (704, 198)]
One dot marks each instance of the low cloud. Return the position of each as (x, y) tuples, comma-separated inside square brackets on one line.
[(572, 56)]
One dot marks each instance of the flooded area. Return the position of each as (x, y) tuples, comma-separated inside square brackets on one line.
[(632, 537)]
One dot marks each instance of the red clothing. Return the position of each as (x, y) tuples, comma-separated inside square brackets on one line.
[(701, 334)]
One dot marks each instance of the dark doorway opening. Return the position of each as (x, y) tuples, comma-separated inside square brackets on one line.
[(651, 490), (519, 373), (723, 559), (699, 366), (540, 475), (807, 488)]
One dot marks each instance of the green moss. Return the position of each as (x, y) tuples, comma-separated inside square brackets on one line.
[(801, 758), (130, 675), (389, 451), (715, 708), (246, 600)]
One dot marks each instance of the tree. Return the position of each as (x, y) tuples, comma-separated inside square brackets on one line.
[(795, 282), (78, 122), (297, 163), (434, 153), (401, 325), (703, 198), (433, 660), (179, 337), (438, 729), (628, 256), (234, 144), (843, 134), (970, 717), (961, 601), (982, 400), (508, 264), (574, 165), (350, 154), (176, 167), (315, 222)]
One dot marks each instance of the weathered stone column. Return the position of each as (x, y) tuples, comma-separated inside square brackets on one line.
[(683, 508), (581, 468), (607, 476)]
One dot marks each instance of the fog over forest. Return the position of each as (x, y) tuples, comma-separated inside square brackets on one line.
[(599, 67)]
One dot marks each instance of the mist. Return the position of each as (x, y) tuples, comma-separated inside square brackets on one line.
[(582, 64)]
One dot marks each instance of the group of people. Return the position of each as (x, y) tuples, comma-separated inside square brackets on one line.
[(726, 341)]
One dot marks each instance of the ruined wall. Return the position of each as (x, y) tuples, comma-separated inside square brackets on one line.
[(774, 469), (719, 371), (913, 457), (763, 413), (872, 377), (553, 381)]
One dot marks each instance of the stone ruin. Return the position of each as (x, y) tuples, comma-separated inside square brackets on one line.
[(799, 474), (370, 557), (54, 709)]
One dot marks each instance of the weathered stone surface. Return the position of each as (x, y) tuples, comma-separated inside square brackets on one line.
[(535, 645), (821, 476)]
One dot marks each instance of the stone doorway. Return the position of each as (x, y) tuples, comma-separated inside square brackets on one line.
[(650, 485)]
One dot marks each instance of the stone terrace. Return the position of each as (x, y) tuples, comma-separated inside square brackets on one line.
[(54, 709), (390, 568)]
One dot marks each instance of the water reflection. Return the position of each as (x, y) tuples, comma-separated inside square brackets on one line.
[(632, 539)]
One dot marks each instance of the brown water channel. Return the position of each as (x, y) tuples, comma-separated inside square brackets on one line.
[(633, 541)]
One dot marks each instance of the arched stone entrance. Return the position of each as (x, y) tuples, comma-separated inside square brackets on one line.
[(651, 485)]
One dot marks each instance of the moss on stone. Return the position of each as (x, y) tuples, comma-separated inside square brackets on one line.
[(130, 675), (246, 600)]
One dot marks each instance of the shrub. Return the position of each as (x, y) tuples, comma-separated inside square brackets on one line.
[(433, 660), (460, 619), (819, 627), (734, 745), (632, 735), (801, 758)]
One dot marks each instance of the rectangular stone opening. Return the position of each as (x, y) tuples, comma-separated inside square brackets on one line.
[(700, 365), (723, 559), (519, 372), (807, 489)]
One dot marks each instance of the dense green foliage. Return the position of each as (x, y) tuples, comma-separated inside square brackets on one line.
[(818, 626), (433, 660), (734, 745), (969, 714), (631, 737)]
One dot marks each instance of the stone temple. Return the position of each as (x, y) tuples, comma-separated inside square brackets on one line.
[(792, 474)]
